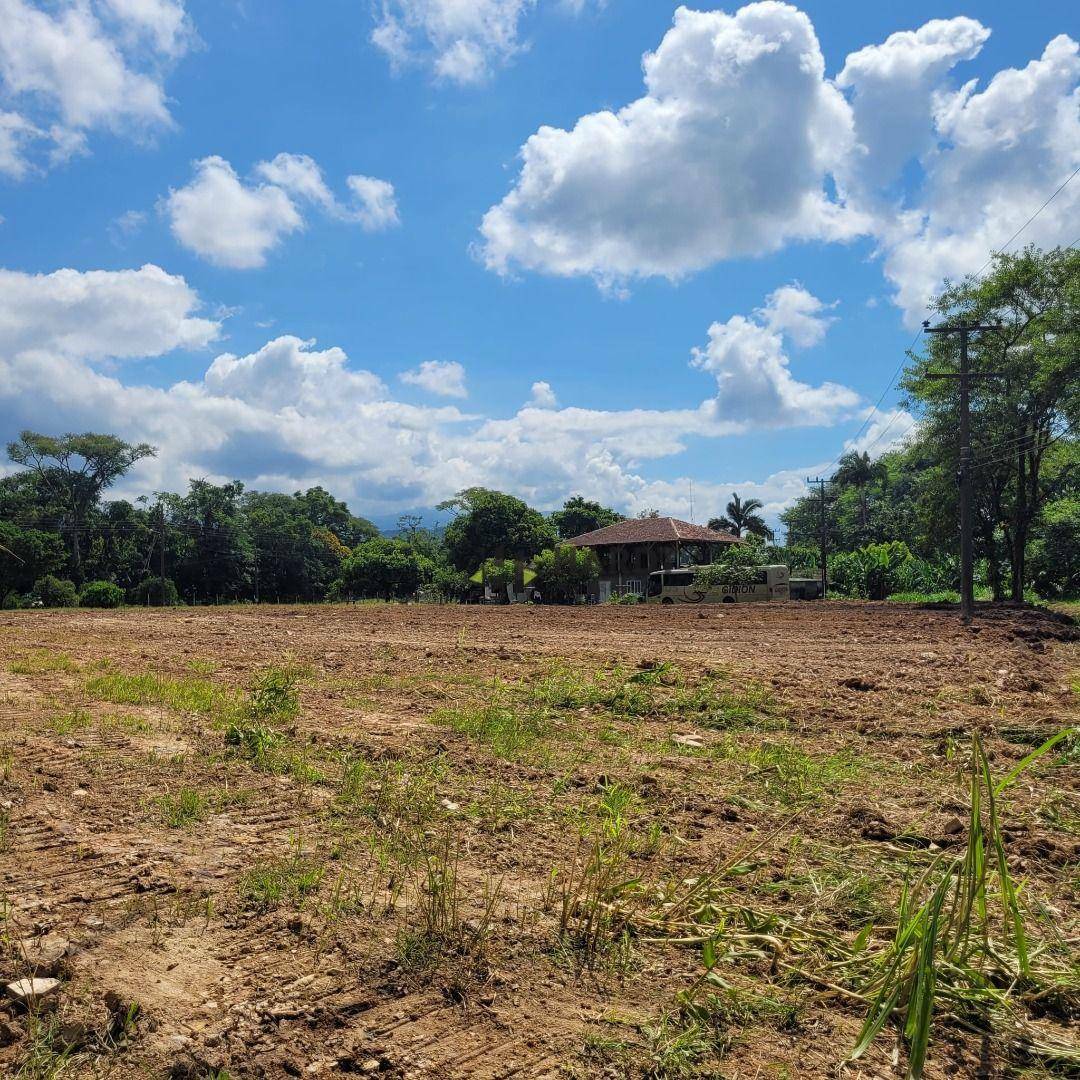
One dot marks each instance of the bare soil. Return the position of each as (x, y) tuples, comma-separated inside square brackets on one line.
[(284, 926)]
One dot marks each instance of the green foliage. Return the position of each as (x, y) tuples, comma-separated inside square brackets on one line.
[(742, 517), (101, 594), (274, 694), (564, 572), (210, 550), (74, 470), (579, 515), (1055, 555), (386, 569), (498, 573), (273, 698), (950, 942), (506, 728), (737, 564), (290, 880), (323, 511), (54, 592), (875, 571), (25, 556), (447, 583), (1018, 420), (491, 524), (148, 592)]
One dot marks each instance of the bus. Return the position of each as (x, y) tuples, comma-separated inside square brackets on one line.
[(677, 587)]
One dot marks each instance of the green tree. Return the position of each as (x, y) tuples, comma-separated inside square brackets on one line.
[(564, 572), (1029, 399), (579, 515), (860, 472), (292, 556), (25, 556), (75, 470), (121, 539), (387, 569), (498, 573), (493, 524), (52, 592), (324, 511), (210, 552), (742, 517), (1056, 551)]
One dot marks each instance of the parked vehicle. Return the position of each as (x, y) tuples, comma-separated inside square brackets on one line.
[(805, 588), (678, 587)]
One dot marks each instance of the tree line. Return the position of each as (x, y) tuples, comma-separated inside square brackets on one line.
[(891, 520), (63, 542)]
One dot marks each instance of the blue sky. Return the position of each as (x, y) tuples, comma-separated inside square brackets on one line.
[(785, 222)]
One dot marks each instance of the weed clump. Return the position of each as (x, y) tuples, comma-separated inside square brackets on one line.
[(182, 809), (273, 698), (269, 885)]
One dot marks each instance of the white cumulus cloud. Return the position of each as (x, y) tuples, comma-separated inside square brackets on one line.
[(462, 40), (73, 66), (97, 314), (291, 414), (376, 203), (237, 224), (542, 396), (894, 86), (726, 154), (742, 144), (999, 153), (443, 377), (227, 222), (751, 365)]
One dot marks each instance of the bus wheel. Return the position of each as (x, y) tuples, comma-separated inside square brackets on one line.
[(729, 599), (667, 600)]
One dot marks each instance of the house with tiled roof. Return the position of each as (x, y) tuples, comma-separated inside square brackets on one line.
[(630, 550)]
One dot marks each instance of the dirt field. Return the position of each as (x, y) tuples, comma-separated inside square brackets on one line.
[(483, 842)]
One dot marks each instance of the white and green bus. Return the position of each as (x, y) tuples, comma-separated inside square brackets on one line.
[(677, 587)]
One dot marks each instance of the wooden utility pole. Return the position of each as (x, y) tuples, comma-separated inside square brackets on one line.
[(964, 378), (161, 553), (824, 538)]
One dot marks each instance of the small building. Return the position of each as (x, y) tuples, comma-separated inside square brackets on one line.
[(629, 551)]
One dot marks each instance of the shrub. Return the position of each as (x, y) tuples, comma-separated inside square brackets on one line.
[(149, 592), (52, 591), (564, 572), (103, 594), (879, 570)]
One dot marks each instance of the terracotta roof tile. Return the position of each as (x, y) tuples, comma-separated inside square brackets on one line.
[(660, 530)]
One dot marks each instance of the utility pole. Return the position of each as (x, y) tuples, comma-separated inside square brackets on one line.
[(821, 481), (964, 378), (161, 552)]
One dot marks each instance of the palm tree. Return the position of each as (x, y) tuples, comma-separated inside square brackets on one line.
[(860, 472), (742, 517)]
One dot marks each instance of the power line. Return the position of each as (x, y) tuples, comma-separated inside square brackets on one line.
[(1061, 187), (1056, 193), (870, 415)]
